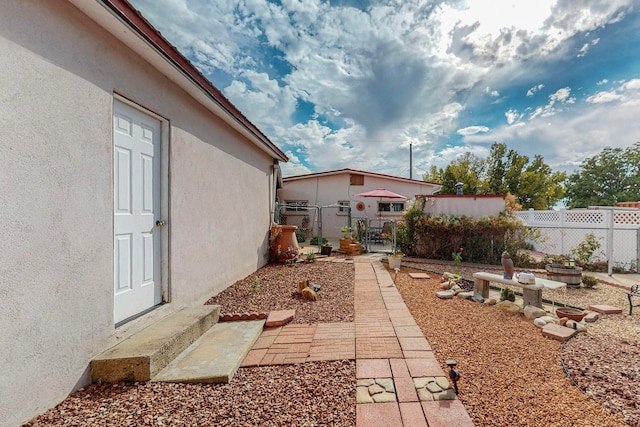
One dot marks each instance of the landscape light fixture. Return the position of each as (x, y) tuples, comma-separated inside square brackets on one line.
[(454, 375), (570, 263)]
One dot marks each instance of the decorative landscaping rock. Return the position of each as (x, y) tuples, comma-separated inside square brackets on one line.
[(456, 289), (444, 294), (580, 327), (533, 312), (550, 319), (490, 301), (508, 306), (434, 388), (539, 322), (445, 286), (447, 276), (563, 321), (465, 295), (477, 298)]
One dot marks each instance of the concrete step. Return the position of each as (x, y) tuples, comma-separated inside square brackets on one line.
[(215, 356), (141, 356)]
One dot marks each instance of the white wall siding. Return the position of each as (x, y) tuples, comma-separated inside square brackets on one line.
[(60, 71)]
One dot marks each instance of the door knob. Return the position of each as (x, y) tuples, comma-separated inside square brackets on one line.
[(160, 223)]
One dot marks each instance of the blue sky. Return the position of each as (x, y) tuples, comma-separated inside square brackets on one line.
[(351, 83)]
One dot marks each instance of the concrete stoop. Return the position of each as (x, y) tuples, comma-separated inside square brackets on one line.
[(189, 346)]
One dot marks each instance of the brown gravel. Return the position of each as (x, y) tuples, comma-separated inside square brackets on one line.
[(309, 394), (511, 375), (277, 290)]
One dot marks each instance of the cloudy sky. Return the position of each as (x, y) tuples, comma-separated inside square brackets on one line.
[(351, 83)]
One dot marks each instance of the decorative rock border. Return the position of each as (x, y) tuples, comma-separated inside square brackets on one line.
[(377, 390), (234, 317)]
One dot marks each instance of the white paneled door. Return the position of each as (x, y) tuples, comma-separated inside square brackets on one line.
[(137, 220)]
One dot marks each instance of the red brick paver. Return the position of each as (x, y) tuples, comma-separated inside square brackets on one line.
[(378, 415)]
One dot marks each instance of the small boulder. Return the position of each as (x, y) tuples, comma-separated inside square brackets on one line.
[(550, 319), (444, 294), (563, 321), (447, 276), (445, 286), (490, 301), (533, 312), (580, 327), (539, 322), (508, 306), (465, 295), (456, 289), (477, 298)]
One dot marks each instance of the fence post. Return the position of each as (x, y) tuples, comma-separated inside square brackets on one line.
[(610, 242), (637, 250)]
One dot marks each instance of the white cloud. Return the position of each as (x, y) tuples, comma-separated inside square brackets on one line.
[(602, 82), (585, 48), (512, 116), (625, 92), (535, 89), (471, 130)]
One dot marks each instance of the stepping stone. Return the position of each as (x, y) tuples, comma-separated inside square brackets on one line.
[(605, 309), (557, 332), (591, 317), (279, 318), (419, 276)]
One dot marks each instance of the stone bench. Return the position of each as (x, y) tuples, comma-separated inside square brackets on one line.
[(531, 294)]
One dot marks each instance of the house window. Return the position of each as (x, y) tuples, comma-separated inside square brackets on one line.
[(296, 205), (356, 179), (390, 206), (344, 205)]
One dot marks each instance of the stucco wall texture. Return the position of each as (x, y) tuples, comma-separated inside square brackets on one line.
[(59, 74)]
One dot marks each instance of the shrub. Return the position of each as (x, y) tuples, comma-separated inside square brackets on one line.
[(589, 281), (300, 236), (507, 294)]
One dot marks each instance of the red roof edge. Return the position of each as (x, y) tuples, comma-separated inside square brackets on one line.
[(461, 196), (134, 19)]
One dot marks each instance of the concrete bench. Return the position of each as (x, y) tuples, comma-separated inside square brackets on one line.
[(531, 294)]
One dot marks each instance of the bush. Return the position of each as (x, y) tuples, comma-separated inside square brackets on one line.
[(507, 294), (589, 281), (438, 236), (300, 236)]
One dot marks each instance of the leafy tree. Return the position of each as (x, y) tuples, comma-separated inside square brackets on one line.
[(609, 177), (505, 171)]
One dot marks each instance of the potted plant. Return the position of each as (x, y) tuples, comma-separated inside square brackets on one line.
[(305, 221), (347, 232), (395, 259), (326, 248)]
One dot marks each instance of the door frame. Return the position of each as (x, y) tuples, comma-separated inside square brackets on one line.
[(165, 128)]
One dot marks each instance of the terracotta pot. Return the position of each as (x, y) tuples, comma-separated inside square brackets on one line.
[(570, 313), (284, 244)]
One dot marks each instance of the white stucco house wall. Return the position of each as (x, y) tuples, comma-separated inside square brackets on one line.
[(130, 188), (341, 188)]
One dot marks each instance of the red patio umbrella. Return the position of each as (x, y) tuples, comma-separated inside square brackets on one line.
[(382, 193)]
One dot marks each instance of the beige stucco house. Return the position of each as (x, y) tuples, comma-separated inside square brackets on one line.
[(131, 188), (341, 188)]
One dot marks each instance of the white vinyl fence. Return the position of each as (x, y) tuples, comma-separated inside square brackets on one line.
[(616, 229)]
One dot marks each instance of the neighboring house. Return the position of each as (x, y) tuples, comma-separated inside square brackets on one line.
[(474, 205), (340, 188), (128, 182)]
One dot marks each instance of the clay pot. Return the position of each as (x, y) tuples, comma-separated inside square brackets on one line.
[(507, 264), (284, 244), (570, 313)]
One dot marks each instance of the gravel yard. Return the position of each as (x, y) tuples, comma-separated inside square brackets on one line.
[(511, 375)]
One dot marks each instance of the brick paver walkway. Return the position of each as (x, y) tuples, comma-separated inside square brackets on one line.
[(386, 343)]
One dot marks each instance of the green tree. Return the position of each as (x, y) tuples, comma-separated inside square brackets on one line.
[(505, 171), (609, 177), (468, 169)]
